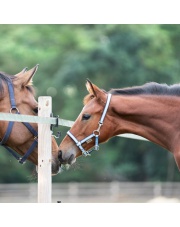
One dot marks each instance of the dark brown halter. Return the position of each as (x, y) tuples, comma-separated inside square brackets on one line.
[(10, 126)]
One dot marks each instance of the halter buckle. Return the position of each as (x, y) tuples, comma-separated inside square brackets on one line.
[(86, 153), (20, 161), (36, 138), (89, 140)]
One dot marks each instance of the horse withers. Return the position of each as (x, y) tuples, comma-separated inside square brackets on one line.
[(150, 111), (17, 97)]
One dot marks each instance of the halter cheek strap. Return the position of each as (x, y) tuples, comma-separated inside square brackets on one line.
[(95, 133)]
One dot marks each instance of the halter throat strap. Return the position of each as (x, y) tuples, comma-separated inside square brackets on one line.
[(95, 133)]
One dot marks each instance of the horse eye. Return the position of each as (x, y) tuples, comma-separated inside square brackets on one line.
[(86, 116), (36, 110)]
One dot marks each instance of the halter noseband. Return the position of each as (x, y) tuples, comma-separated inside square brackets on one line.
[(10, 126), (95, 133)]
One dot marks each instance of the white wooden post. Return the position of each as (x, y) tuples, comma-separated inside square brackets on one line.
[(44, 151)]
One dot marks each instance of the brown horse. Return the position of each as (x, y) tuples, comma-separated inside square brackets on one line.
[(17, 97), (150, 111)]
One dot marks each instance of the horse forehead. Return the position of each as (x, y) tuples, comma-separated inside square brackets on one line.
[(25, 96), (92, 107)]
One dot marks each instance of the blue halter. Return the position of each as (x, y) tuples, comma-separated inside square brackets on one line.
[(10, 126)]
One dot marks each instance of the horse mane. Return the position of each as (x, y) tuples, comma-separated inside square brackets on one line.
[(151, 88)]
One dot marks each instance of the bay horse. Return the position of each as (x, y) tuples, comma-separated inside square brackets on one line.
[(150, 111), (17, 97)]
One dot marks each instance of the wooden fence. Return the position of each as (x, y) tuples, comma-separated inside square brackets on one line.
[(44, 142)]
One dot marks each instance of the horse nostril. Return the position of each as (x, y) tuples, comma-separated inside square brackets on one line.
[(60, 156), (70, 160)]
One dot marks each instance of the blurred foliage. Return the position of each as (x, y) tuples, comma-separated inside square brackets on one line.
[(110, 56)]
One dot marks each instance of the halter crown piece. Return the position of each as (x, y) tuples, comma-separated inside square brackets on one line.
[(10, 126), (95, 133)]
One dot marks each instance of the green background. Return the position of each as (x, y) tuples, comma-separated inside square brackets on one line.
[(111, 56)]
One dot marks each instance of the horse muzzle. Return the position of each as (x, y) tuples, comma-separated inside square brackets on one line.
[(66, 158)]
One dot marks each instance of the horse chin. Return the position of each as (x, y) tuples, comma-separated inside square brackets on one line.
[(56, 168)]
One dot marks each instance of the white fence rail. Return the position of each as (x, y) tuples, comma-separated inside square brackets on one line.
[(52, 120)]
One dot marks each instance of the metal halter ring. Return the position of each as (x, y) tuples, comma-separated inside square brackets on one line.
[(96, 132), (14, 108)]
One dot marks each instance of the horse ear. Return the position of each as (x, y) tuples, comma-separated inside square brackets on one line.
[(90, 87), (22, 72), (94, 90), (25, 77)]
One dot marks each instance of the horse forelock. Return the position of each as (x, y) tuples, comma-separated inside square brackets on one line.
[(31, 87), (87, 98)]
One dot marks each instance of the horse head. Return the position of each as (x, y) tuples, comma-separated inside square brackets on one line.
[(17, 97), (90, 128)]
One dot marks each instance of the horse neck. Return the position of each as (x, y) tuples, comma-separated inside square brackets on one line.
[(152, 117)]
